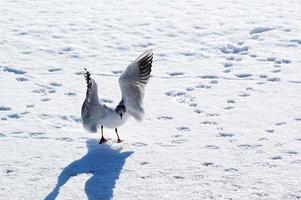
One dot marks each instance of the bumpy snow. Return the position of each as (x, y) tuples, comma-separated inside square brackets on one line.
[(223, 111)]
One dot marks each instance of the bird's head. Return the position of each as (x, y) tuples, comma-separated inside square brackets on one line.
[(120, 110)]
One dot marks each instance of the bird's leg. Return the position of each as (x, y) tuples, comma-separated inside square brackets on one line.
[(102, 140), (119, 140)]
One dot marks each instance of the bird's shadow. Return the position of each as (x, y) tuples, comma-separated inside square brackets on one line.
[(103, 163)]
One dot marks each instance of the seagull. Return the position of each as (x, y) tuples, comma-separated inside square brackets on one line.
[(132, 83)]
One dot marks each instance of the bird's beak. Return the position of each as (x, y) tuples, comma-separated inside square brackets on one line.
[(121, 116)]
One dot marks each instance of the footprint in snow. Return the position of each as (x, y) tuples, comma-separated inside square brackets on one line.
[(294, 81), (263, 76), (13, 70), (67, 49), (193, 104), (71, 94), (183, 129), (203, 86), (189, 89), (208, 122), (207, 164), (144, 163), (292, 152), (21, 79), (273, 79), (16, 132), (55, 84), (213, 82), (79, 73), (24, 113), (253, 55), (260, 82), (231, 170), (40, 91), (209, 77), (45, 99), (262, 139), (211, 147), (230, 58), (296, 41), (44, 116), (55, 69), (14, 116), (271, 59), (9, 171), (197, 111), (229, 107), (280, 123), (276, 71), (212, 114), (4, 108), (51, 91), (244, 94), (175, 93), (43, 89), (2, 135), (33, 134), (223, 134), (282, 61), (175, 73), (276, 158), (243, 75), (228, 64), (178, 177), (177, 135), (227, 70), (231, 101), (163, 117)]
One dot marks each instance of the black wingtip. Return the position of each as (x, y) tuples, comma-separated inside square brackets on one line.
[(87, 76), (145, 65)]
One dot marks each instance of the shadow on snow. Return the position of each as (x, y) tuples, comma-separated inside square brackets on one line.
[(105, 165)]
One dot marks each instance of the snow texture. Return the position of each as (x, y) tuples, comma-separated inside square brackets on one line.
[(222, 108)]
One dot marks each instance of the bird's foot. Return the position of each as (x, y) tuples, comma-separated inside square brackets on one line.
[(102, 140), (119, 141)]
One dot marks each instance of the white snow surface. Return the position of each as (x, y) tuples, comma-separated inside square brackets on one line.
[(223, 111)]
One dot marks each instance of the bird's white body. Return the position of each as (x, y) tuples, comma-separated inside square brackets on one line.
[(112, 119)]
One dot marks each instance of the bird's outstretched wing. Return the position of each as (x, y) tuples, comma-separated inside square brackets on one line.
[(132, 83), (92, 110)]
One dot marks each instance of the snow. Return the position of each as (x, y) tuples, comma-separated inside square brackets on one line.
[(223, 112)]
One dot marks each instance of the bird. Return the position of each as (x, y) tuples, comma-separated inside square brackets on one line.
[(132, 82)]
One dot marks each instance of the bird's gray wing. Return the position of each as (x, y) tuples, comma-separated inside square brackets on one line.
[(92, 110), (132, 83)]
